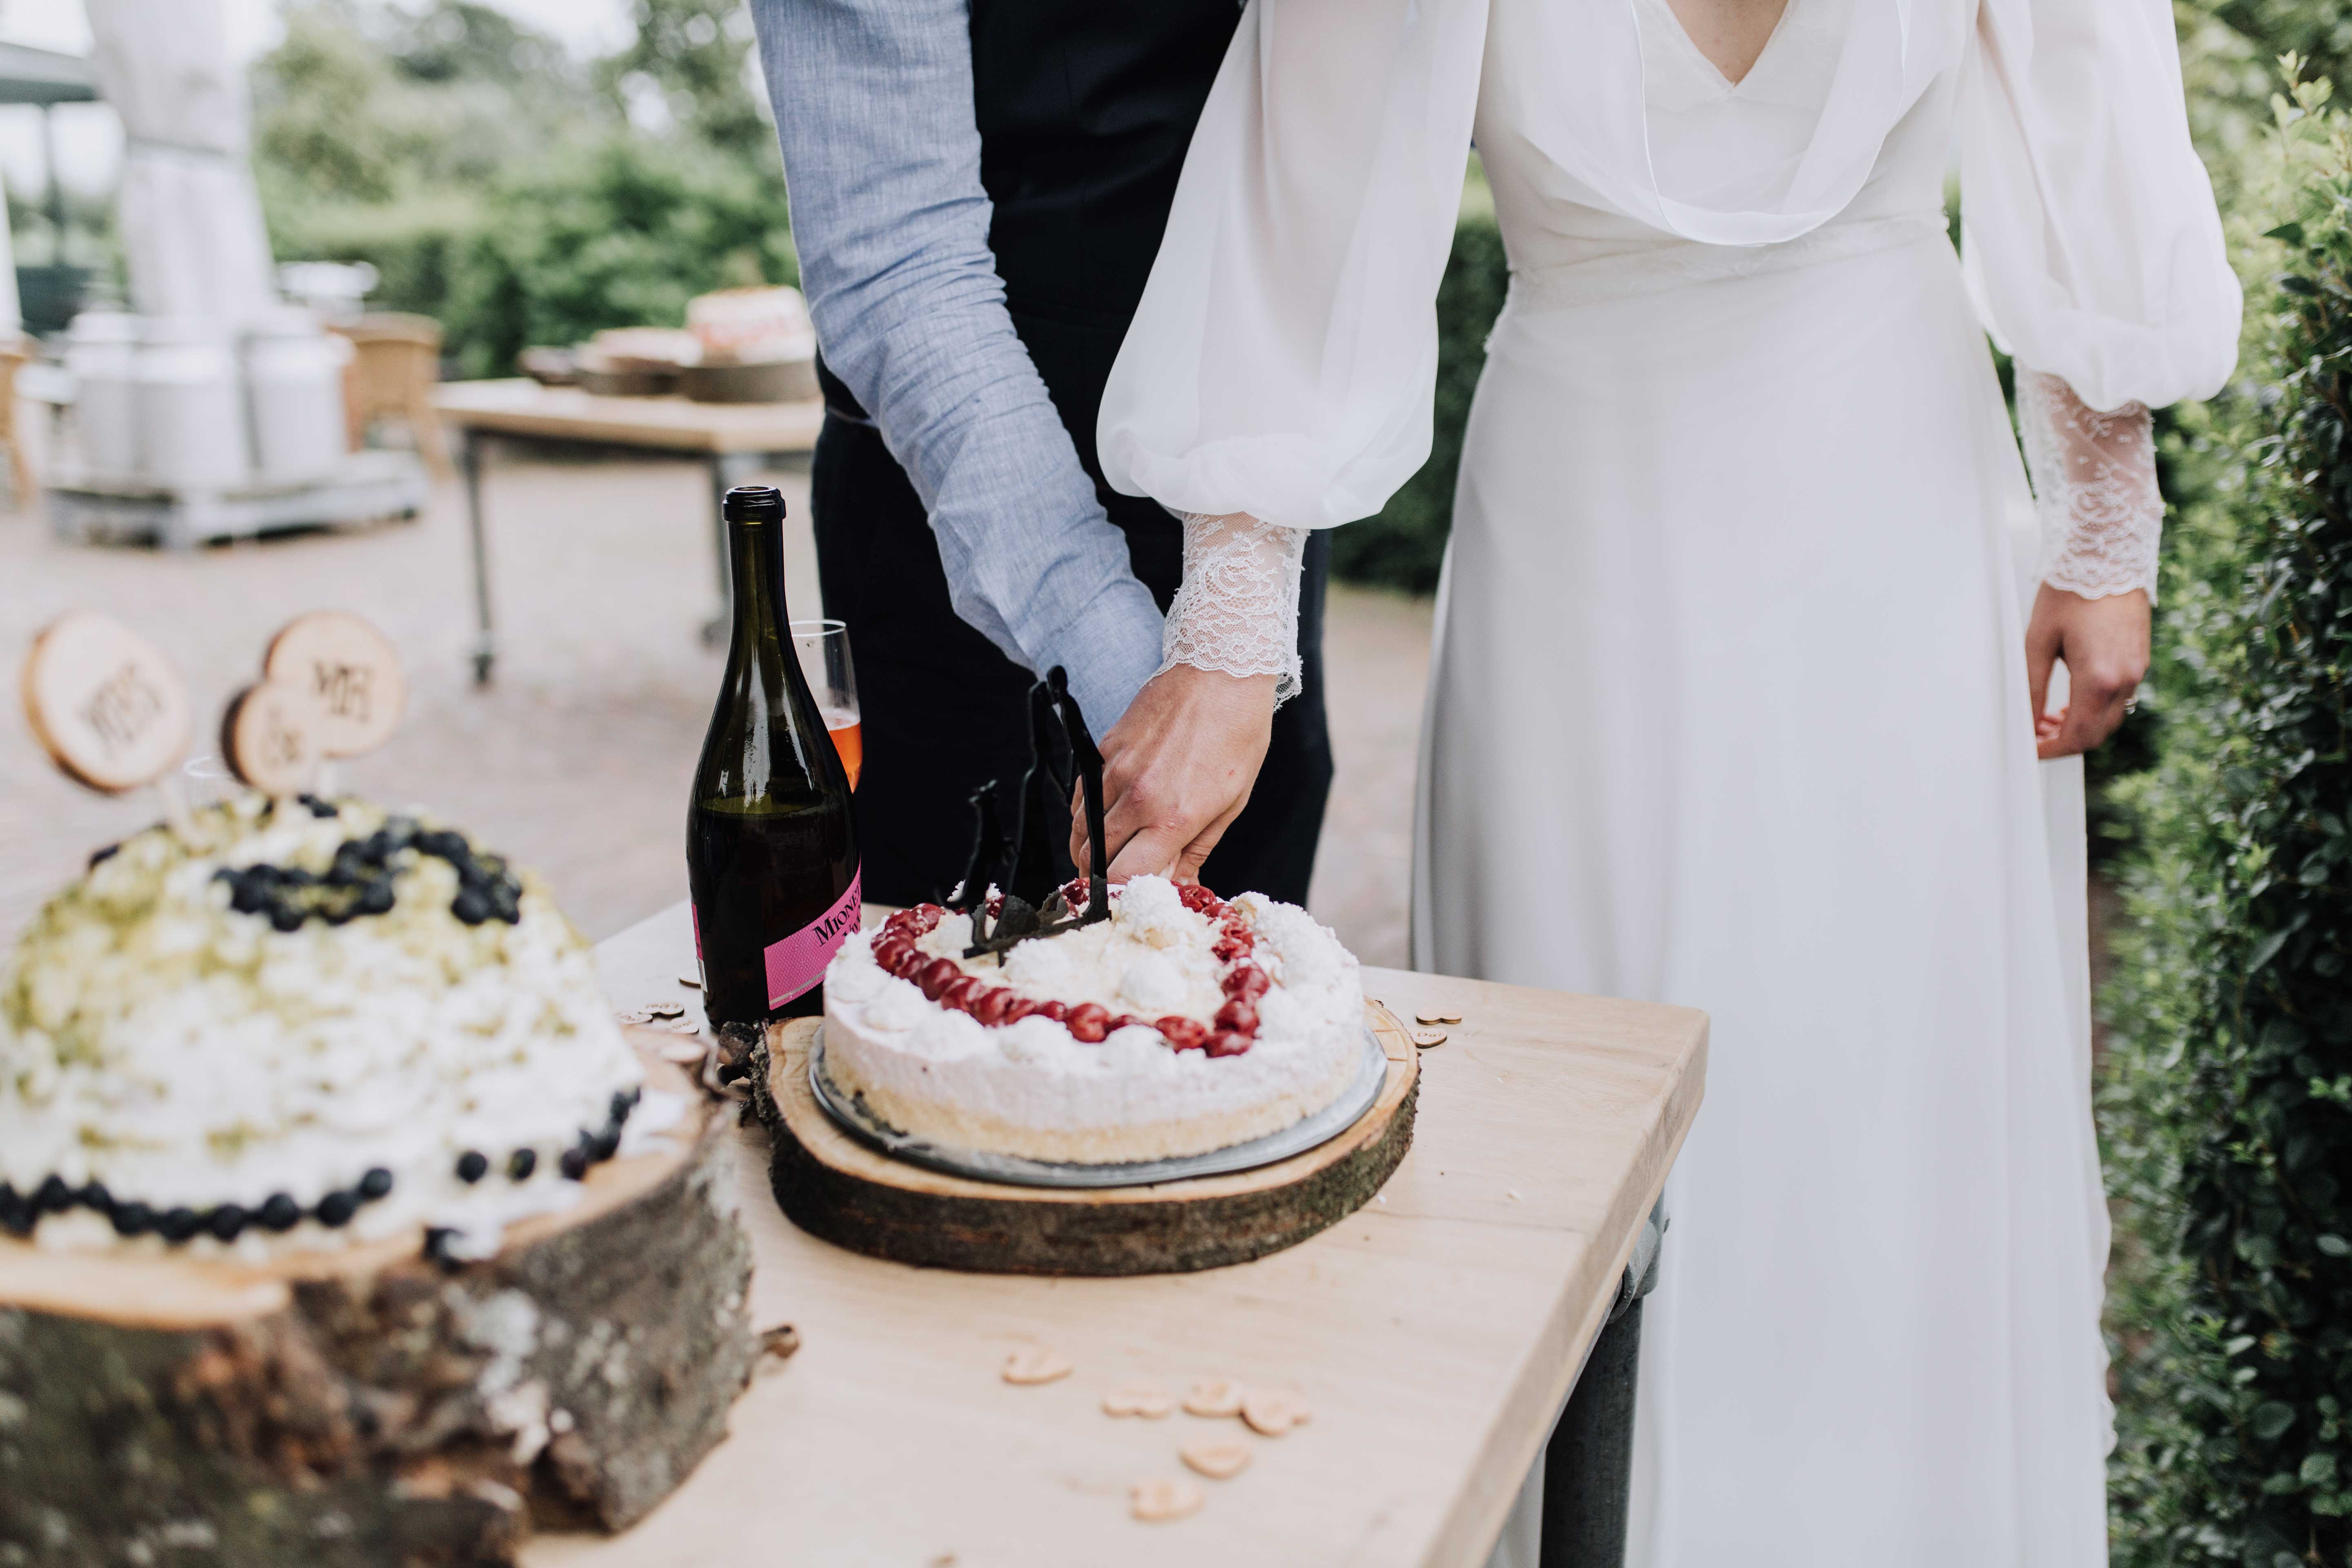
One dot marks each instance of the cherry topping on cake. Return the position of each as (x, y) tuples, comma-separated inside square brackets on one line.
[(1240, 1015), (936, 975), (1196, 896), (1246, 979), (1183, 1033), (994, 1004), (1057, 1011), (962, 993), (1228, 1043), (1089, 1023)]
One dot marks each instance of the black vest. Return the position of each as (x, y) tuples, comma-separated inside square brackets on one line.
[(1084, 111)]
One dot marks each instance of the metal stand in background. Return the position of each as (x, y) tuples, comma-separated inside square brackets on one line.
[(1588, 1464), (469, 459), (369, 486), (727, 469)]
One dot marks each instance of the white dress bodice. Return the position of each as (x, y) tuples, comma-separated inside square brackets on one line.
[(1709, 140)]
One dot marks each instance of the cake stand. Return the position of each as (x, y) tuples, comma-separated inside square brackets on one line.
[(844, 1189)]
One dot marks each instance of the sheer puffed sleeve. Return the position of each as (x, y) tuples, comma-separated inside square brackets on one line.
[(2089, 232), (1282, 360)]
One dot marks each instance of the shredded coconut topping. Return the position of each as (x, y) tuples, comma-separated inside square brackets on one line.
[(174, 1051)]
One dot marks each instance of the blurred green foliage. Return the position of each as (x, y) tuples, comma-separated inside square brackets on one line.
[(622, 234), (2227, 1103), (513, 194)]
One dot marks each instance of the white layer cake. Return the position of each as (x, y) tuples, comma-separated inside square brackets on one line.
[(1033, 1088)]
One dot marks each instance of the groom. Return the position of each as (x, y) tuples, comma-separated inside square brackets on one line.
[(978, 189)]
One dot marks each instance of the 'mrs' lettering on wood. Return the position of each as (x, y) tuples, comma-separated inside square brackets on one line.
[(120, 711)]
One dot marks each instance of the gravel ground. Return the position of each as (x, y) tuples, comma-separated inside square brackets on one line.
[(576, 761)]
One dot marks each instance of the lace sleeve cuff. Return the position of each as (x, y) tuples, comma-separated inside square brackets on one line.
[(2094, 486), (1237, 611)]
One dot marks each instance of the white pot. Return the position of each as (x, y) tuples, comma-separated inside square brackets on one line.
[(191, 410), (294, 391), (101, 355)]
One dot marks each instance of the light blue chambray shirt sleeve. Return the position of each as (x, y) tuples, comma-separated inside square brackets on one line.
[(874, 110)]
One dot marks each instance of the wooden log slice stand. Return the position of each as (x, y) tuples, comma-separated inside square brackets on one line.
[(842, 1191), (371, 1407)]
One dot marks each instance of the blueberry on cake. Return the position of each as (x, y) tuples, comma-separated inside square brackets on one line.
[(1182, 1024)]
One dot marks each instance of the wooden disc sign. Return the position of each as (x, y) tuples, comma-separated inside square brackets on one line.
[(105, 703), (270, 736), (350, 669)]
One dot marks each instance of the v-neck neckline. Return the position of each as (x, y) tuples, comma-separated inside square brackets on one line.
[(1715, 73)]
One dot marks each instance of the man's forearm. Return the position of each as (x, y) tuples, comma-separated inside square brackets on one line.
[(874, 109)]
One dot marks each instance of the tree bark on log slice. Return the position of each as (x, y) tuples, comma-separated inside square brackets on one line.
[(845, 1192), (370, 1406)]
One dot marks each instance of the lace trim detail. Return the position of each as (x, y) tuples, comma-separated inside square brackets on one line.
[(2094, 486), (1237, 611)]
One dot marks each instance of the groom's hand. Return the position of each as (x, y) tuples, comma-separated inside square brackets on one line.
[(1177, 769), (2104, 643)]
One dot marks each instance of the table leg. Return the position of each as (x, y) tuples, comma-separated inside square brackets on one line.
[(727, 469), (1588, 1464), (470, 444)]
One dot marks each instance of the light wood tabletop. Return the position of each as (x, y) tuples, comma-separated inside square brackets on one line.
[(1434, 1334), (519, 406)]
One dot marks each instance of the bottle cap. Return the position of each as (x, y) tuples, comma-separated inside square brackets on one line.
[(753, 503)]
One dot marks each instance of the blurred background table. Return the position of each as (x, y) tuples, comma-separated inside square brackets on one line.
[(1435, 1334), (732, 440)]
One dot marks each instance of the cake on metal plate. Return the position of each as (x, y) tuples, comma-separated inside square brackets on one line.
[(1181, 1024)]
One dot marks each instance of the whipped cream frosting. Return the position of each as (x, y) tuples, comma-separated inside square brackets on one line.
[(1031, 1088), (160, 1043)]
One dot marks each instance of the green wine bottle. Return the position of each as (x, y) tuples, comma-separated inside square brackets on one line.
[(770, 848)]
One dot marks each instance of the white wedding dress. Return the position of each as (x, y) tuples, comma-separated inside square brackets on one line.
[(1730, 705)]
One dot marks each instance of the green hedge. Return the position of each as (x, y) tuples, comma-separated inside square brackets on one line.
[(2228, 1108), (621, 233)]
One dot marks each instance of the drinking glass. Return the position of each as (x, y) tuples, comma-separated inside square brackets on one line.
[(824, 648)]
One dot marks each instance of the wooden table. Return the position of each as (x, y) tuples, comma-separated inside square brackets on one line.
[(733, 441), (1434, 1334)]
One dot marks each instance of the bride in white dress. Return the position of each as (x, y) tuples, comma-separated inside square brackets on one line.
[(1731, 699)]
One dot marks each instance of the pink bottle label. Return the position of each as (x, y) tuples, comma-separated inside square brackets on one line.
[(797, 962)]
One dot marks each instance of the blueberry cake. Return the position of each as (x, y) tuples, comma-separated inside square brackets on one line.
[(302, 1027)]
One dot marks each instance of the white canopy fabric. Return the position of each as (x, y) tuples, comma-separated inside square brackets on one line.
[(12, 313), (192, 229)]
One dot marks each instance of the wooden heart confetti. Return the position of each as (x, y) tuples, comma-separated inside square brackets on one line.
[(1035, 1363), (1215, 1397), (1147, 1400), (1272, 1413), (1426, 1039), (693, 980), (1219, 1459), (666, 1009), (1437, 1017), (682, 1053), (1163, 1497)]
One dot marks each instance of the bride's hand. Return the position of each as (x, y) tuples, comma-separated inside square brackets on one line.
[(1177, 769), (2104, 643)]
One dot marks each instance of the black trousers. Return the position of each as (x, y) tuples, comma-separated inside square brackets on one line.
[(944, 712)]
